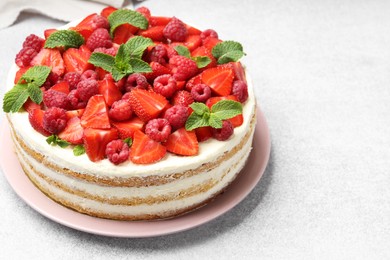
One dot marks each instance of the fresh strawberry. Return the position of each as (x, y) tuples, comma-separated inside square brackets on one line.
[(107, 11), (182, 142), (145, 150), (180, 84), (155, 33), (51, 58), (210, 42), (89, 24), (238, 69), (203, 133), (159, 20), (62, 86), (77, 59), (184, 98), (73, 132), (109, 90), (74, 113), (19, 74), (48, 32), (203, 51), (237, 120), (96, 140), (192, 30), (193, 81), (127, 128), (96, 114), (146, 104), (158, 70), (193, 41), (219, 79), (123, 33), (35, 117), (30, 105)]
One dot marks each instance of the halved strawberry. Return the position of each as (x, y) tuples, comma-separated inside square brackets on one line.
[(95, 114), (157, 69), (75, 113), (182, 142), (86, 26), (127, 128), (146, 104), (76, 60), (237, 120), (193, 81), (30, 105), (73, 132), (238, 69), (62, 86), (203, 133), (35, 117), (145, 150), (159, 20), (193, 41), (210, 42), (20, 73), (109, 90), (192, 30), (155, 33), (203, 51), (96, 140), (107, 11), (123, 33), (219, 79), (51, 58), (48, 32)]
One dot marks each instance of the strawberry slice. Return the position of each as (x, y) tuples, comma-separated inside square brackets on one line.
[(51, 58), (35, 117), (30, 105), (159, 20), (192, 30), (238, 119), (155, 33), (203, 51), (48, 32), (193, 41), (126, 129), (193, 81), (146, 104), (95, 114), (107, 11), (145, 150), (96, 140), (219, 79), (76, 60), (86, 26), (203, 133), (124, 32), (20, 73), (73, 132), (74, 113), (157, 69), (239, 72), (182, 142), (62, 86), (109, 90), (210, 42)]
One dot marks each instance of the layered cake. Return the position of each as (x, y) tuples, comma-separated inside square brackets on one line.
[(129, 116)]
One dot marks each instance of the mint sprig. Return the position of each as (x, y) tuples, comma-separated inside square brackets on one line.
[(78, 150), (128, 141), (201, 61), (128, 59), (64, 38), (124, 16), (55, 140), (203, 116), (27, 87), (227, 51)]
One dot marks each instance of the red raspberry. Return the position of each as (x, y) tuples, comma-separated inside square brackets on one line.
[(54, 120), (117, 151), (165, 85), (183, 98), (54, 98), (240, 90), (73, 78), (158, 129), (183, 68), (110, 51), (159, 54), (34, 42), (120, 110), (136, 80), (208, 33), (175, 30), (51, 80), (100, 22), (99, 38), (144, 11), (222, 134), (176, 116), (25, 56), (87, 88), (201, 92), (89, 74), (74, 100)]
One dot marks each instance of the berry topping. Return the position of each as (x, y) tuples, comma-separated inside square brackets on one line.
[(159, 54), (51, 58), (165, 85), (120, 110), (240, 90), (176, 116), (225, 132), (87, 88), (117, 151), (127, 128), (99, 21), (25, 56), (175, 30), (182, 68), (182, 142), (35, 117), (73, 78), (109, 90), (73, 132), (201, 92), (158, 129), (77, 59), (54, 120), (99, 39), (74, 100), (208, 33), (183, 98), (144, 11), (96, 140), (51, 80), (219, 79), (136, 80), (89, 74), (53, 98), (33, 41), (145, 150), (158, 70), (110, 51), (146, 105), (95, 114)]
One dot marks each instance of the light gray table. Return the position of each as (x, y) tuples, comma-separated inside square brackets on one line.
[(322, 77)]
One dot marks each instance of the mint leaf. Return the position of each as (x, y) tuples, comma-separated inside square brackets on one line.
[(226, 109), (140, 66), (36, 75), (227, 51), (102, 60), (195, 121), (15, 98), (215, 121), (78, 150), (55, 140), (201, 61), (183, 51), (122, 60), (35, 93), (64, 38), (124, 16), (200, 108), (128, 141), (137, 45)]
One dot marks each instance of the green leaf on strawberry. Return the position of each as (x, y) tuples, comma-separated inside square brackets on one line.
[(64, 38), (55, 140), (201, 61), (124, 16), (227, 51)]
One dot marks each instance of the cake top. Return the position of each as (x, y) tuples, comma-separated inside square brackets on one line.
[(126, 85)]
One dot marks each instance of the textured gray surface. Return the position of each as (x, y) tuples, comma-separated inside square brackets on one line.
[(322, 77)]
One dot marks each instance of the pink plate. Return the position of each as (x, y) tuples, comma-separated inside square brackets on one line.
[(238, 190)]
